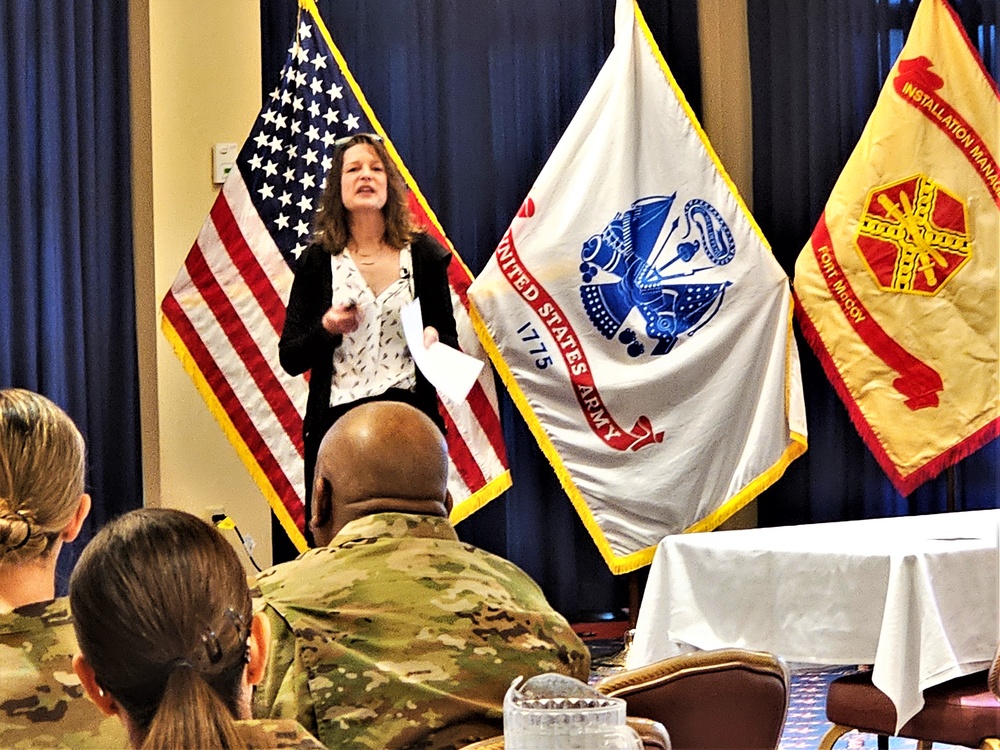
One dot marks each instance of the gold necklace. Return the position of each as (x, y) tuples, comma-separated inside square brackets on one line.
[(364, 259)]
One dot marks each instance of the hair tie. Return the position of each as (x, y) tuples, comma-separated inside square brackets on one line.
[(178, 663), (24, 517)]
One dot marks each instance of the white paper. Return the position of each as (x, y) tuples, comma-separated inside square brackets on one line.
[(452, 372)]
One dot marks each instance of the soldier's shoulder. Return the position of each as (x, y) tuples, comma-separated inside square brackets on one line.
[(32, 618), (42, 703), (36, 638), (264, 734), (318, 576), (108, 734)]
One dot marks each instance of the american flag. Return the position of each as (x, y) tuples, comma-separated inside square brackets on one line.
[(226, 308)]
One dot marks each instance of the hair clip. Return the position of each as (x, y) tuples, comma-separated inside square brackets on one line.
[(239, 622), (212, 646)]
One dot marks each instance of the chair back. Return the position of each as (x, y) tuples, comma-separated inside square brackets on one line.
[(729, 698), (993, 678)]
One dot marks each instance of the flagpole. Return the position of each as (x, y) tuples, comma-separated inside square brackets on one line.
[(634, 598), (949, 475)]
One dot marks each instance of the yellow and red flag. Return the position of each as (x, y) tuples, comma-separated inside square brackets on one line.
[(897, 289)]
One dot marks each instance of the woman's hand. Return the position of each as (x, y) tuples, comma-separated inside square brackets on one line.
[(343, 318), (430, 336)]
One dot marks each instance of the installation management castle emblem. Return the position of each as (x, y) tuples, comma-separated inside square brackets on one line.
[(913, 236)]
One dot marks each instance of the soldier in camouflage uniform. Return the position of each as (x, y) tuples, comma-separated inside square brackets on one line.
[(394, 634), (42, 506), (168, 639)]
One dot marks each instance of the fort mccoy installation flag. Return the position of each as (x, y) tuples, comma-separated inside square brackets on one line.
[(639, 320), (898, 285), (226, 308)]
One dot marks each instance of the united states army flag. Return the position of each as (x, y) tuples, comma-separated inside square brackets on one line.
[(897, 287), (639, 320)]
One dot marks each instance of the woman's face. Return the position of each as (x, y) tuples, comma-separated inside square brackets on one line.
[(363, 179)]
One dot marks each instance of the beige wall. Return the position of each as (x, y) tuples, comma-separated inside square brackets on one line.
[(725, 81), (199, 85), (196, 81)]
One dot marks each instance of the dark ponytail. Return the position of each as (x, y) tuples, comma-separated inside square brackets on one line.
[(191, 714)]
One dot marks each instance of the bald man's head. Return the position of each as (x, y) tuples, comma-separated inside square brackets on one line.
[(380, 456)]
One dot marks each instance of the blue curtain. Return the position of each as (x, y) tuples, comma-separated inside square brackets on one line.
[(475, 96), (67, 300), (816, 71)]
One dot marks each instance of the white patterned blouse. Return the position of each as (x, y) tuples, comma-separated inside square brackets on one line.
[(375, 357)]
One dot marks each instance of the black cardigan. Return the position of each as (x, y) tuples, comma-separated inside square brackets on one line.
[(306, 345)]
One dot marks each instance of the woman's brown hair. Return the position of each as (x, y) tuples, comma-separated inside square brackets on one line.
[(332, 228), (41, 474), (162, 615)]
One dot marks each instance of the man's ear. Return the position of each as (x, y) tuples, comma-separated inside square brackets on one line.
[(103, 700), (260, 647), (322, 502)]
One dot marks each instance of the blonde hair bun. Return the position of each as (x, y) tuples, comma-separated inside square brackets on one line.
[(41, 474)]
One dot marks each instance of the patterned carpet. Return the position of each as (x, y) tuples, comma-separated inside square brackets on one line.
[(806, 723)]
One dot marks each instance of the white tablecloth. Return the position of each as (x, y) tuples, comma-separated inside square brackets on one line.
[(915, 596)]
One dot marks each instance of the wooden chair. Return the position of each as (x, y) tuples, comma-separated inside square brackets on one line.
[(493, 743), (963, 711), (729, 698)]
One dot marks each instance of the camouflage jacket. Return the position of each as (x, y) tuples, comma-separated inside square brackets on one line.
[(42, 703), (398, 635), (276, 734)]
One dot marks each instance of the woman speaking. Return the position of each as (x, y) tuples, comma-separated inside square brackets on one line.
[(366, 262)]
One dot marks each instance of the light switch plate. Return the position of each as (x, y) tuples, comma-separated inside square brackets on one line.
[(223, 161)]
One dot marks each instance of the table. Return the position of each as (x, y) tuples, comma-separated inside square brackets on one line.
[(914, 596)]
